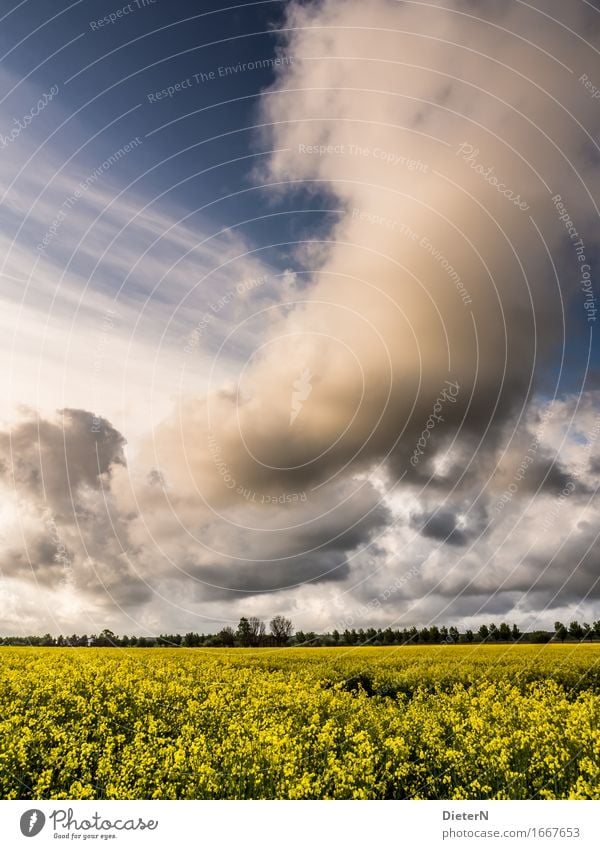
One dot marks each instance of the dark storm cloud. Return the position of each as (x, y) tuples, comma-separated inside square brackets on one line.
[(69, 533), (53, 460), (570, 575), (442, 525), (226, 582), (38, 560), (595, 466), (319, 549)]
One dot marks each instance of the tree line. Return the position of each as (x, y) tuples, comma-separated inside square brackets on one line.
[(251, 632)]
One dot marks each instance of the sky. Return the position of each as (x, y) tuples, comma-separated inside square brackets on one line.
[(298, 307)]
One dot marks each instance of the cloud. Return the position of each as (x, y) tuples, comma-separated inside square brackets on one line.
[(432, 273), (52, 461), (442, 525), (60, 530)]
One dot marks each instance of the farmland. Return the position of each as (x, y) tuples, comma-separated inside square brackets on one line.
[(451, 722)]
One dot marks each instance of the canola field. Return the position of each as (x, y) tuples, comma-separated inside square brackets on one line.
[(451, 722)]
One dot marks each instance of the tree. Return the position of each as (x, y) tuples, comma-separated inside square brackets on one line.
[(483, 633), (575, 630), (515, 633), (307, 638), (539, 637), (388, 637), (282, 629), (453, 634), (494, 634), (106, 638), (226, 636), (560, 632), (504, 632), (257, 630), (597, 628), (244, 633), (162, 640), (469, 635)]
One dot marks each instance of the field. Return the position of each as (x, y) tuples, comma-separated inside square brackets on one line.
[(452, 722)]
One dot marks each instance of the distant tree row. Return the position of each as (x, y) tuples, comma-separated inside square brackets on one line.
[(251, 632), (411, 636), (576, 631)]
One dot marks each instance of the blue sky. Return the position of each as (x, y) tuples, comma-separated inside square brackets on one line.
[(109, 76)]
